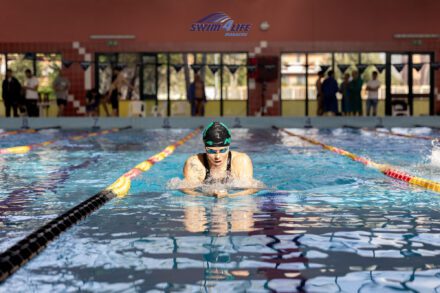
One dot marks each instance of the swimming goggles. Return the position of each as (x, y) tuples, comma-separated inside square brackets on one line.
[(220, 151)]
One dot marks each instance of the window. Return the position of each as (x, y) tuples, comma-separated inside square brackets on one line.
[(105, 63), (212, 80), (293, 76), (177, 77), (18, 63), (149, 76), (345, 63), (130, 64), (399, 74), (162, 76), (48, 66), (234, 77), (421, 73)]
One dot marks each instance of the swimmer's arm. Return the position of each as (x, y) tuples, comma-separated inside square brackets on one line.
[(242, 193), (245, 172), (193, 174), (191, 192)]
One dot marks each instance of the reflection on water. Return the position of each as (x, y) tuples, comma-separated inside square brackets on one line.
[(311, 245), (223, 218), (328, 224)]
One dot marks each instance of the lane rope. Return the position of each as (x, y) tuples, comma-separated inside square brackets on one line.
[(433, 127), (14, 132), (27, 148), (23, 251), (21, 131), (384, 168), (392, 133)]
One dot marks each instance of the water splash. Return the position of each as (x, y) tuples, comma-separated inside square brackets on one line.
[(435, 153), (208, 188)]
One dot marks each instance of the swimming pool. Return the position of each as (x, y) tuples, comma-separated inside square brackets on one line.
[(324, 224)]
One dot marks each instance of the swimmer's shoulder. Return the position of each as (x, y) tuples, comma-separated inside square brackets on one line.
[(241, 166), (194, 164), (194, 170), (195, 160), (240, 158)]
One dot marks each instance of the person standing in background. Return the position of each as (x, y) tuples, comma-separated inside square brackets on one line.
[(373, 94), (92, 102), (11, 93), (61, 87), (355, 88), (344, 90), (329, 91), (115, 92), (319, 96), (197, 96), (31, 94)]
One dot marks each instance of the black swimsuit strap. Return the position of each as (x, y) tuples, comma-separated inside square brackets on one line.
[(228, 166), (208, 170)]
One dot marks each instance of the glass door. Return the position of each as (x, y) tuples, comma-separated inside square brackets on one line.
[(409, 84), (399, 93)]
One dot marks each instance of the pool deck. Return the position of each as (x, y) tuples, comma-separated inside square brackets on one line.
[(234, 122)]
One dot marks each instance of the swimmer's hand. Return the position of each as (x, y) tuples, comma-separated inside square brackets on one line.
[(220, 193)]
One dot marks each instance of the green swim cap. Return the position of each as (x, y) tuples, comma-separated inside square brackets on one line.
[(216, 134)]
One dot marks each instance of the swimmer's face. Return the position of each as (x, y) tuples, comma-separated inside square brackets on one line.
[(217, 155)]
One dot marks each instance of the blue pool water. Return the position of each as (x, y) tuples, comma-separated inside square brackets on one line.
[(324, 224)]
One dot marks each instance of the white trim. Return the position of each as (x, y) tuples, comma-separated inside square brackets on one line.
[(416, 36), (112, 37)]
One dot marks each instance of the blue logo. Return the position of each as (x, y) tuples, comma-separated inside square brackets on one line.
[(219, 21)]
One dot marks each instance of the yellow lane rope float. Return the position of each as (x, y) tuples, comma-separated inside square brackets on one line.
[(23, 251), (122, 185), (27, 148), (385, 169), (13, 132)]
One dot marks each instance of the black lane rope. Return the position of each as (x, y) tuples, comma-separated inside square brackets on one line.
[(23, 251), (433, 127), (20, 253), (351, 126)]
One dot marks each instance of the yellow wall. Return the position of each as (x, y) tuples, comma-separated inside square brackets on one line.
[(124, 108), (183, 108), (212, 108), (234, 108), (297, 108), (291, 108), (420, 106), (294, 108), (53, 109)]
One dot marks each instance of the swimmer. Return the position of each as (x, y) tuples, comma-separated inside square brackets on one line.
[(218, 164)]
